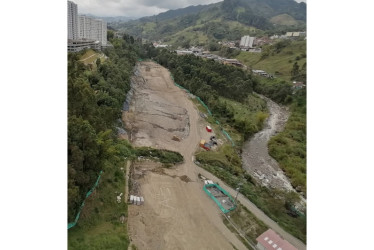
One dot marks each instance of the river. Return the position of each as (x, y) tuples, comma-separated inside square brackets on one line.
[(256, 159)]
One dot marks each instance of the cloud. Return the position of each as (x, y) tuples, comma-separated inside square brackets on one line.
[(133, 8)]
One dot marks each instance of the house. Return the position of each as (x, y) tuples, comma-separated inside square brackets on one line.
[(295, 34), (271, 240), (184, 52), (298, 85), (289, 34)]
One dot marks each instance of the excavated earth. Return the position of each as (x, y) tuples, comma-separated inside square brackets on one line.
[(176, 214)]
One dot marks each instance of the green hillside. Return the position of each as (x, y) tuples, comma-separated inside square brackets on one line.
[(227, 20), (277, 59), (284, 19)]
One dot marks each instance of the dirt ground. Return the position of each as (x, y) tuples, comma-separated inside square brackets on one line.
[(176, 214)]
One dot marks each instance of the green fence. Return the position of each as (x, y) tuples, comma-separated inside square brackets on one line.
[(224, 210), (72, 224)]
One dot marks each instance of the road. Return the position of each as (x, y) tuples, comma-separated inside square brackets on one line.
[(256, 211)]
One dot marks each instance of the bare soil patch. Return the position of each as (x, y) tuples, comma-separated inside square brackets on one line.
[(176, 214)]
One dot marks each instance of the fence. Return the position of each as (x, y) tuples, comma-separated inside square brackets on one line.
[(72, 224)]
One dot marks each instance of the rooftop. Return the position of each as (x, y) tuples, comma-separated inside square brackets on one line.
[(271, 240)]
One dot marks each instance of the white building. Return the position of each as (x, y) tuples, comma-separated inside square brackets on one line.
[(246, 42), (72, 20), (91, 28)]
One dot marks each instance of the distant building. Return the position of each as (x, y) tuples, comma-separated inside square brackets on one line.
[(246, 42), (72, 20), (289, 34), (261, 41), (274, 37), (295, 34), (233, 62), (160, 45), (94, 29), (270, 240), (85, 32), (298, 85), (184, 52)]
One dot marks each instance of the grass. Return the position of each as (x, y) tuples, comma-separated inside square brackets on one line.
[(281, 62), (90, 57), (161, 155), (284, 19), (289, 147), (271, 202), (246, 222), (234, 134), (99, 226), (250, 114)]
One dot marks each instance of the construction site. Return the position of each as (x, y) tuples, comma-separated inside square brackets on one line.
[(176, 212)]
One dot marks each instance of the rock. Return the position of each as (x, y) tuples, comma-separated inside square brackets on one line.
[(176, 138)]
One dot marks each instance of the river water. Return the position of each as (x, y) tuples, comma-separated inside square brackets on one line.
[(256, 159)]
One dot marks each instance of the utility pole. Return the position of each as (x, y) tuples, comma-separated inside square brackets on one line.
[(237, 189)]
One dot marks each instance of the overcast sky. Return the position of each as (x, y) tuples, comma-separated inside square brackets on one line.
[(135, 8)]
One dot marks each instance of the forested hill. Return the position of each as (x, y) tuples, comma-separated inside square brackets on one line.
[(95, 98), (227, 19)]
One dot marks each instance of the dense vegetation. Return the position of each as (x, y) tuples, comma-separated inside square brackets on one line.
[(277, 204), (228, 20), (250, 226), (289, 146), (94, 104), (99, 225), (210, 80), (163, 156)]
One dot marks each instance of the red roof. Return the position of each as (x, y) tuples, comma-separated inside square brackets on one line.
[(271, 240)]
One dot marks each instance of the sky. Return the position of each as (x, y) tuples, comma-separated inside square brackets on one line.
[(135, 8)]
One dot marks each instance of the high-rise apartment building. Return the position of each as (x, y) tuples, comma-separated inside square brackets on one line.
[(72, 20), (91, 28), (246, 42)]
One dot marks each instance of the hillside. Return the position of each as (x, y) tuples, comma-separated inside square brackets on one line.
[(215, 21), (277, 59), (284, 19)]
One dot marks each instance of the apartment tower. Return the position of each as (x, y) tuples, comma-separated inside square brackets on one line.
[(94, 29), (72, 20)]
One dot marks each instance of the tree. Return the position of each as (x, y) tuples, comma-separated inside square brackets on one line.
[(295, 70), (110, 35)]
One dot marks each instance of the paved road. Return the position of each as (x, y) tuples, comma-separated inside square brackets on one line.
[(256, 211)]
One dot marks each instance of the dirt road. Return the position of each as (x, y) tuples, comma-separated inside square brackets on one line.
[(176, 214), (256, 159)]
